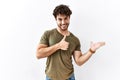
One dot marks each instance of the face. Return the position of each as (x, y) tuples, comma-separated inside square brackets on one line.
[(63, 22)]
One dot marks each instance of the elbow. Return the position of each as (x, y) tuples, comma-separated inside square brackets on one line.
[(79, 63), (38, 55)]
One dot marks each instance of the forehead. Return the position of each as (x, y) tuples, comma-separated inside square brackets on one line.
[(62, 16)]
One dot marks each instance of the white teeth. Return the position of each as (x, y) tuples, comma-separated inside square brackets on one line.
[(63, 25)]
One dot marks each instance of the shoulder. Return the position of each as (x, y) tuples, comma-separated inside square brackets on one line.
[(48, 32), (75, 37)]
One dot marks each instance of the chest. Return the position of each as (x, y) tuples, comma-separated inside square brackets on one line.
[(56, 38)]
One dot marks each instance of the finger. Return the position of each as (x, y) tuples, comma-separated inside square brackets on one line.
[(64, 38), (102, 43)]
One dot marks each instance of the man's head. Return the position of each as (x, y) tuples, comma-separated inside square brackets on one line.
[(63, 10), (62, 15)]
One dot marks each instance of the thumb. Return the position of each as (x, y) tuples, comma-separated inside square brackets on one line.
[(64, 38)]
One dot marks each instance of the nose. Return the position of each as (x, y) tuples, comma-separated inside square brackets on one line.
[(63, 21)]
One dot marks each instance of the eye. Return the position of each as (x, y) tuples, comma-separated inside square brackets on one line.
[(66, 18), (60, 19)]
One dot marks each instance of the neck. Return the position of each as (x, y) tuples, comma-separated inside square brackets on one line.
[(66, 32)]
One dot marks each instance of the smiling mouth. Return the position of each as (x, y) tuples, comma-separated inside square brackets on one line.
[(64, 25)]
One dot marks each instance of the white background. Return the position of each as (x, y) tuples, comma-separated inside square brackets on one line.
[(22, 22)]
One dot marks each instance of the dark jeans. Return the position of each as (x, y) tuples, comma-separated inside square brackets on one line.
[(71, 78)]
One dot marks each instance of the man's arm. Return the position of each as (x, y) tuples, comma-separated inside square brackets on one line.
[(81, 59), (44, 51)]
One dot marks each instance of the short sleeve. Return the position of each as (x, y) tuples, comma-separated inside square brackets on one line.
[(78, 47), (45, 38)]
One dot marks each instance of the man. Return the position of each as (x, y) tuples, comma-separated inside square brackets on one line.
[(59, 45)]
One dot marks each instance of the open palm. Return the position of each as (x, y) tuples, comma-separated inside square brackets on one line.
[(97, 45)]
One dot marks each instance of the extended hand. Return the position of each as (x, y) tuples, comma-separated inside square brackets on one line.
[(63, 44), (95, 46)]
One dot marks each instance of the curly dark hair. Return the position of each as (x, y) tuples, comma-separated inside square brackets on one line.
[(62, 9)]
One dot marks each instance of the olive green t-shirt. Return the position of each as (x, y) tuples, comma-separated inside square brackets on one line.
[(59, 65)]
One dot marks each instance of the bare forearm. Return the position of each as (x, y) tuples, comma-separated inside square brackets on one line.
[(82, 59), (45, 52), (94, 46)]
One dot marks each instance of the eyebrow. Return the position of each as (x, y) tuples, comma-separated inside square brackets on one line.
[(64, 17)]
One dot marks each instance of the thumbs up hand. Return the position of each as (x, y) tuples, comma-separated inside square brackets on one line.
[(63, 45)]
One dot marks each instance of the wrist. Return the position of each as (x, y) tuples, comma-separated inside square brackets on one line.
[(92, 51), (58, 46)]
